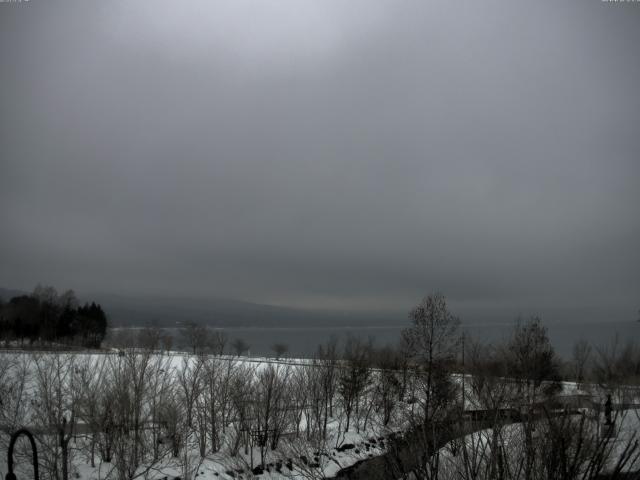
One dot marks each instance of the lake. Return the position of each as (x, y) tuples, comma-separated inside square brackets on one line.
[(304, 341)]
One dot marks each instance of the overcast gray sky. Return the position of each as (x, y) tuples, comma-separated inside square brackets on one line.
[(323, 153)]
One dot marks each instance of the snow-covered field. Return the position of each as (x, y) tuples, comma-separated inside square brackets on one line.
[(219, 417), (27, 378)]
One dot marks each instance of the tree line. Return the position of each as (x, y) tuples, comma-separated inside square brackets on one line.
[(46, 317)]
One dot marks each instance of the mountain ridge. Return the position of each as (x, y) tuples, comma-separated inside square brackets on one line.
[(131, 310)]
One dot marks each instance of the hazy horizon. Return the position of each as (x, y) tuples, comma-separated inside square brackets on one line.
[(346, 157)]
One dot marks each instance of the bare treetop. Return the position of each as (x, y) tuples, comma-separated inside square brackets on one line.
[(433, 335)]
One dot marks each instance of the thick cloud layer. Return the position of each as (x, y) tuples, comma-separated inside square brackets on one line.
[(323, 153)]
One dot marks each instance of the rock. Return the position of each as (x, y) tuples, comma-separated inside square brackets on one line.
[(258, 470), (346, 446)]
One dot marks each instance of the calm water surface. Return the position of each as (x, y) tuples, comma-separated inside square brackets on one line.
[(304, 341)]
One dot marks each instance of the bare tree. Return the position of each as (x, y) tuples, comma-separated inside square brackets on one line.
[(218, 380), (195, 336), (270, 405), (241, 391), (239, 346), (217, 342), (355, 377), (532, 362), (316, 404), (580, 361), (150, 338), (91, 375), (131, 378), (388, 384), (432, 344), (56, 407), (300, 388), (279, 349), (15, 375), (492, 394), (327, 363), (189, 385), (160, 384), (432, 341)]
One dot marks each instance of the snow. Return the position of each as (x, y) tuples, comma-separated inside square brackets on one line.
[(321, 459), (329, 456)]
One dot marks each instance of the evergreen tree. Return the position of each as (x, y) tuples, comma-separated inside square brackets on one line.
[(45, 316)]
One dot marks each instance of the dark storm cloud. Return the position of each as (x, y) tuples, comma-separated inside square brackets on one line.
[(323, 153)]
